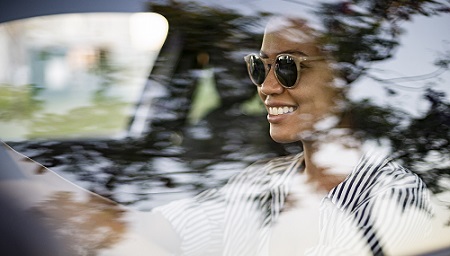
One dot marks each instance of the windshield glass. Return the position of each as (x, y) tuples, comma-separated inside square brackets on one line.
[(163, 106)]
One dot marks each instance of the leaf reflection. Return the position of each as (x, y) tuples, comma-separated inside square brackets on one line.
[(205, 154)]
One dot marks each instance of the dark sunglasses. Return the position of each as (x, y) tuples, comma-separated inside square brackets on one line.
[(287, 68)]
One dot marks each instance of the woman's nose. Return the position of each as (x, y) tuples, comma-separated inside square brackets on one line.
[(271, 85)]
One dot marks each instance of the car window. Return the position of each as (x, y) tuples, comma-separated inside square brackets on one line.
[(161, 107)]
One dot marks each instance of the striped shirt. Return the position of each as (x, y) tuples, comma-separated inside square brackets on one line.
[(369, 213)]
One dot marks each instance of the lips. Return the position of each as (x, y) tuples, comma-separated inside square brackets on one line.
[(280, 110)]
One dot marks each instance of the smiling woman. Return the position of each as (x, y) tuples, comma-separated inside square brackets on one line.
[(363, 204)]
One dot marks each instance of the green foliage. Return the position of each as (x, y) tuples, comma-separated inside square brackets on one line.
[(18, 102), (105, 115)]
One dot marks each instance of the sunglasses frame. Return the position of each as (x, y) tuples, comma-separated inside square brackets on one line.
[(269, 62)]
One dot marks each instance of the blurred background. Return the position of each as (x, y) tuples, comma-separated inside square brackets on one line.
[(145, 102)]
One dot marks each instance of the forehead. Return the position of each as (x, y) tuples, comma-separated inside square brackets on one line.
[(282, 35)]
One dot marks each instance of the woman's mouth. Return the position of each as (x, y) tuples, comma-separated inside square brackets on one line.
[(280, 110)]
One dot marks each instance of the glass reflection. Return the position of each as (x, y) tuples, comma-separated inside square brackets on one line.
[(172, 157)]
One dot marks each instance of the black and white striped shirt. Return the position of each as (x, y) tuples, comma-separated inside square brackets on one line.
[(379, 208)]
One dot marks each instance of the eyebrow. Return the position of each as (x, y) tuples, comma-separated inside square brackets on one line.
[(293, 52)]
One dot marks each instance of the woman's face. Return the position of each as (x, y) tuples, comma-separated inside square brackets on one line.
[(313, 98)]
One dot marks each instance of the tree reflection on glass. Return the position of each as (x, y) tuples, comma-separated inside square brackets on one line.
[(175, 156), (359, 33)]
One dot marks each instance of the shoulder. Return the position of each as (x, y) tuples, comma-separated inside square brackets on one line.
[(380, 203), (378, 170), (379, 177)]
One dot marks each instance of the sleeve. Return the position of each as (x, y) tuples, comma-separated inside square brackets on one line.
[(196, 221), (230, 218), (200, 221), (399, 213)]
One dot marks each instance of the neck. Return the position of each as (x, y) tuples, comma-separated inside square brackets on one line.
[(329, 158)]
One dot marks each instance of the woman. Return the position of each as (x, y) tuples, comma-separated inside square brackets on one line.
[(330, 199)]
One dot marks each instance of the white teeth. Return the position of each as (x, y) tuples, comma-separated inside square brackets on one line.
[(280, 110)]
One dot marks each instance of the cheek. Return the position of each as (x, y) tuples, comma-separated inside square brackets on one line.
[(315, 104), (328, 99), (314, 94)]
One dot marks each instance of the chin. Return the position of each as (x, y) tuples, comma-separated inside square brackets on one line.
[(280, 138)]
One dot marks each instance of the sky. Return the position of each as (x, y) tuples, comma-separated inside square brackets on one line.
[(424, 41)]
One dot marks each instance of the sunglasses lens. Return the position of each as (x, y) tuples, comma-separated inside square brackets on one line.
[(256, 70), (286, 71)]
